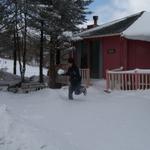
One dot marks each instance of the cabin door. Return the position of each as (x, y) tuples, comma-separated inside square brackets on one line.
[(95, 56)]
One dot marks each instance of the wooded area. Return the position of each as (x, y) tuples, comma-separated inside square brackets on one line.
[(34, 30)]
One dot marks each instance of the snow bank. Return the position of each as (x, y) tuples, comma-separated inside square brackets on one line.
[(8, 79), (7, 65)]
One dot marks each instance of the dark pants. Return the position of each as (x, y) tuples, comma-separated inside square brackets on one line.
[(74, 88)]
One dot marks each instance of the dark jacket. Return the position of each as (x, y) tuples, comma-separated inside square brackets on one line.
[(74, 75)]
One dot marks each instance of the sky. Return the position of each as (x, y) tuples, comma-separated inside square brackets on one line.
[(109, 10)]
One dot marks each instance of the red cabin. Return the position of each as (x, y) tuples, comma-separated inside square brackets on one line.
[(124, 42)]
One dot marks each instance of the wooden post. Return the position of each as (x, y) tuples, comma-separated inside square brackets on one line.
[(107, 82), (136, 80)]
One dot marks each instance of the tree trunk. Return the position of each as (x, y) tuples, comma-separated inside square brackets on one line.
[(58, 57), (52, 73), (52, 69), (17, 41), (15, 53), (25, 42), (41, 54)]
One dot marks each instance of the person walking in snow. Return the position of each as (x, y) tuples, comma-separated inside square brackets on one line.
[(75, 80)]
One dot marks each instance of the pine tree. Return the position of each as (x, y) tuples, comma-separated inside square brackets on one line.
[(51, 17), (70, 13)]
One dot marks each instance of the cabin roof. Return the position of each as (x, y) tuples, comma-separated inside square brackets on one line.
[(111, 28)]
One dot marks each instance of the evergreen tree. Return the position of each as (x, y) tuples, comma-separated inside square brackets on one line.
[(51, 17)]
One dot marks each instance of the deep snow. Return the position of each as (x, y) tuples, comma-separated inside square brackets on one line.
[(47, 120)]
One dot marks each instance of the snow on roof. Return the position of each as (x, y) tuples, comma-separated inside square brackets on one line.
[(76, 38), (140, 29), (98, 28)]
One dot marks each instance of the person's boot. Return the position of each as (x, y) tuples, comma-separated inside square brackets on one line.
[(84, 91), (70, 94), (70, 98)]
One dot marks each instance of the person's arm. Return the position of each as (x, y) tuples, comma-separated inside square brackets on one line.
[(67, 73)]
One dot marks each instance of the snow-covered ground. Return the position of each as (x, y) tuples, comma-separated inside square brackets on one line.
[(47, 120)]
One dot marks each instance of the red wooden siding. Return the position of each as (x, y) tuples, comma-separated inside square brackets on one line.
[(118, 51), (111, 60), (138, 54)]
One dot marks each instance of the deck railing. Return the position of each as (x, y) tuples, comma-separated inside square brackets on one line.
[(128, 80), (85, 74)]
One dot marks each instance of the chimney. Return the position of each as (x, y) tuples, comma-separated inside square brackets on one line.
[(95, 18)]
